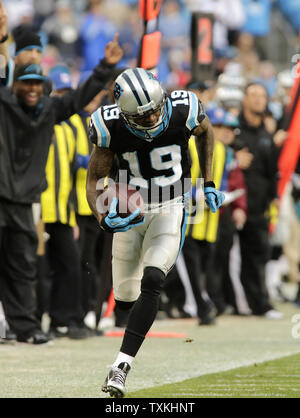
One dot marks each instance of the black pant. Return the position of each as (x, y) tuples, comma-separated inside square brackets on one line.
[(196, 256), (18, 246), (219, 285), (88, 238), (255, 252), (65, 273)]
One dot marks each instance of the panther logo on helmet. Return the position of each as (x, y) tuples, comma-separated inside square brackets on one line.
[(117, 91)]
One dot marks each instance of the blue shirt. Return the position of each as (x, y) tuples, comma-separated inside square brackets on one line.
[(96, 32), (291, 9), (258, 14)]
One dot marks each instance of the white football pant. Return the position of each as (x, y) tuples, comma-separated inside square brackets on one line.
[(156, 243)]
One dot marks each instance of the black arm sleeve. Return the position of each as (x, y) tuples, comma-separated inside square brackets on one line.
[(75, 100)]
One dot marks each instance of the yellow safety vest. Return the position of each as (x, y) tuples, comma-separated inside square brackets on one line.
[(83, 147), (206, 228), (56, 199)]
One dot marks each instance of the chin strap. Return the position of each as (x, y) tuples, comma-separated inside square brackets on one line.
[(145, 134)]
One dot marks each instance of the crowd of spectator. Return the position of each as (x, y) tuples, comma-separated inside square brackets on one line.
[(77, 31), (246, 99)]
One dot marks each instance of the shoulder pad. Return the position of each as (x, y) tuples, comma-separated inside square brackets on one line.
[(188, 104), (196, 112), (102, 120)]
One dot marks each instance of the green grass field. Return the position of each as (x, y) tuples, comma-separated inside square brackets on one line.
[(272, 379), (239, 357)]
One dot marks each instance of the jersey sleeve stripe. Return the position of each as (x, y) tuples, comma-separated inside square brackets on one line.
[(192, 120), (102, 131)]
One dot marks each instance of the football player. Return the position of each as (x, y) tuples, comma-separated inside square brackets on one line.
[(148, 131)]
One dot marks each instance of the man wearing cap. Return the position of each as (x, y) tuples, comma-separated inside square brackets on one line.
[(66, 170), (202, 230), (201, 245), (232, 216), (87, 223), (61, 261), (27, 118)]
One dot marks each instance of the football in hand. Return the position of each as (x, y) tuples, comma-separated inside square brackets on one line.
[(129, 200)]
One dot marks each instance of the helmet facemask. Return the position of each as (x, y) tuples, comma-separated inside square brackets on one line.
[(135, 120)]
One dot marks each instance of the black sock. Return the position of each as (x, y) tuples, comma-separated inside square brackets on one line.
[(144, 311)]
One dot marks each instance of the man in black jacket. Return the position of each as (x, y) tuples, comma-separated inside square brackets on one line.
[(257, 156), (27, 118)]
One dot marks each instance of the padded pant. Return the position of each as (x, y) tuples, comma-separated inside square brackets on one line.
[(153, 244)]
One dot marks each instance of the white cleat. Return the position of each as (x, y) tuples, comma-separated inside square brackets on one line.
[(115, 381)]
